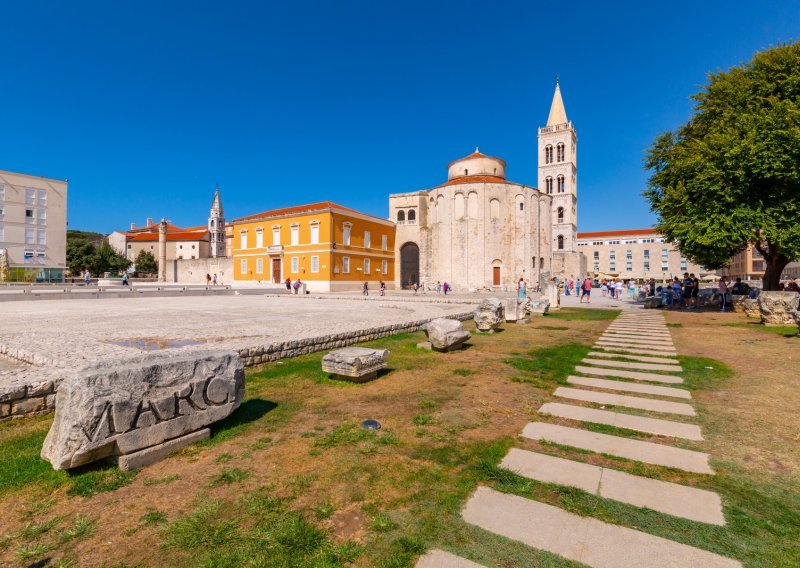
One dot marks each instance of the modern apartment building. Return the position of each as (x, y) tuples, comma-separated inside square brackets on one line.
[(637, 253), (325, 245), (747, 265), (33, 227)]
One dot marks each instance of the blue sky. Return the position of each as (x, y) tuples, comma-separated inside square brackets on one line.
[(144, 106)]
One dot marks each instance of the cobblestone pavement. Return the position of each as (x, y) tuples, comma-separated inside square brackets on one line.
[(72, 333)]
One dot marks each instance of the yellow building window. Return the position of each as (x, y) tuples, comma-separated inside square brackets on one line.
[(244, 266), (260, 265), (346, 264), (314, 264), (366, 266), (295, 265)]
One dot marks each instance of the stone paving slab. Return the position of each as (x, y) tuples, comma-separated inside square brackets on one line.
[(633, 357), (639, 332), (639, 423), (647, 452), (582, 539), (670, 498), (644, 351), (636, 375), (639, 366), (637, 339), (630, 386), (651, 404), (441, 559), (621, 343)]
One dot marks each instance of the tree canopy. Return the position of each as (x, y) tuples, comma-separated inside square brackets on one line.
[(82, 254), (730, 177), (146, 263)]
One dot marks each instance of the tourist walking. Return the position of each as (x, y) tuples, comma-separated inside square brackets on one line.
[(416, 287), (586, 290), (296, 285), (676, 292), (445, 288), (723, 293), (366, 288), (125, 279), (620, 289), (208, 280), (87, 278), (632, 288), (438, 287), (522, 291), (688, 284), (214, 280), (652, 284), (383, 288), (289, 284), (604, 288)]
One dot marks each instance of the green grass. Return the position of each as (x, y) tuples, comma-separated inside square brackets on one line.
[(553, 327), (701, 373), (228, 476), (269, 534), (674, 325), (163, 480), (352, 434), (784, 330), (583, 314), (549, 365)]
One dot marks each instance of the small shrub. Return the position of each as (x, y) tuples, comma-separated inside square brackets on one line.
[(228, 476)]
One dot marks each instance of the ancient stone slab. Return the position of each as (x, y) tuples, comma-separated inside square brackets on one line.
[(642, 366), (157, 453), (442, 559), (489, 314), (737, 301), (358, 363), (636, 375), (537, 307), (638, 339), (775, 307), (120, 409), (512, 309), (12, 392), (647, 452), (28, 405), (616, 350), (670, 498), (621, 343), (633, 357), (626, 401), (446, 334), (639, 423), (630, 386)]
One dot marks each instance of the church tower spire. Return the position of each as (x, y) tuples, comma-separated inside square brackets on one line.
[(216, 226), (558, 178)]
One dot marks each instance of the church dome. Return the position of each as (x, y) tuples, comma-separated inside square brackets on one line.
[(476, 164)]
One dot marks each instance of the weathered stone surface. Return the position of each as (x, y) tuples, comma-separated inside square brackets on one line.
[(775, 307), (513, 308), (708, 298), (358, 363), (120, 409), (28, 405), (796, 316), (446, 334), (537, 307), (750, 307), (12, 392), (157, 453), (737, 301), (489, 314), (652, 302)]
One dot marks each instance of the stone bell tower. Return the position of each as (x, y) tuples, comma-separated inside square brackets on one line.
[(558, 178), (216, 226)]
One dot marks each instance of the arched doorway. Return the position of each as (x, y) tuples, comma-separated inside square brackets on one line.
[(409, 265), (497, 267)]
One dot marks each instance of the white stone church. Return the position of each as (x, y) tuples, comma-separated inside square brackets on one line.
[(480, 230)]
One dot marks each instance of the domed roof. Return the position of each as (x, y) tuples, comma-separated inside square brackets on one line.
[(476, 164)]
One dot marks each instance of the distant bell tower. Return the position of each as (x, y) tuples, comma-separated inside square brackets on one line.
[(216, 226), (558, 174)]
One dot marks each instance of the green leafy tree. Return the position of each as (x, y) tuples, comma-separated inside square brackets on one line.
[(730, 177), (80, 252), (106, 259), (146, 262)]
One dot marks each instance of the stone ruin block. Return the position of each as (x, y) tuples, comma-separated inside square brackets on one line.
[(750, 307), (489, 315), (737, 301), (358, 364), (537, 307), (775, 307), (141, 408), (652, 302), (446, 334)]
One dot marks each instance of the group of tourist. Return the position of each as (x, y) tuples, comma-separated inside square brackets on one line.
[(293, 286), (381, 288)]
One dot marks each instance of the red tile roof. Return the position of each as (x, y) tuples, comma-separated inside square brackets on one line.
[(174, 236), (321, 206), (153, 228), (479, 179), (625, 233), (477, 154)]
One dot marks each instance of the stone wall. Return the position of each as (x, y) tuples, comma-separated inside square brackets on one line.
[(27, 398), (193, 271)]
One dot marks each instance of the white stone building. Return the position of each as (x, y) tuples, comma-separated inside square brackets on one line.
[(476, 230), (33, 227)]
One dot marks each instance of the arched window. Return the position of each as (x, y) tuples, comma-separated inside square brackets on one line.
[(560, 242), (401, 216), (472, 205), (560, 184), (549, 185), (494, 208), (212, 223), (560, 214), (560, 152), (460, 206), (412, 215), (548, 154)]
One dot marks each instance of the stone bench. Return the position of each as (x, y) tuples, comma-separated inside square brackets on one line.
[(356, 364)]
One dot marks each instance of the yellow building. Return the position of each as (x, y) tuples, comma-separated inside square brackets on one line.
[(329, 247)]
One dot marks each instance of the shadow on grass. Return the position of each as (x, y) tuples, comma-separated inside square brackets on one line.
[(249, 411), (784, 330)]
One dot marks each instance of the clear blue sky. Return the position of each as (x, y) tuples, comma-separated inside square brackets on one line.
[(145, 105)]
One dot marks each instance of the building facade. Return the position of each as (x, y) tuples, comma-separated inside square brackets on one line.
[(33, 227), (637, 253), (477, 230), (329, 247), (747, 265)]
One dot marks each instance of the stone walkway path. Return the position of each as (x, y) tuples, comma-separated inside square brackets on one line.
[(625, 353)]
